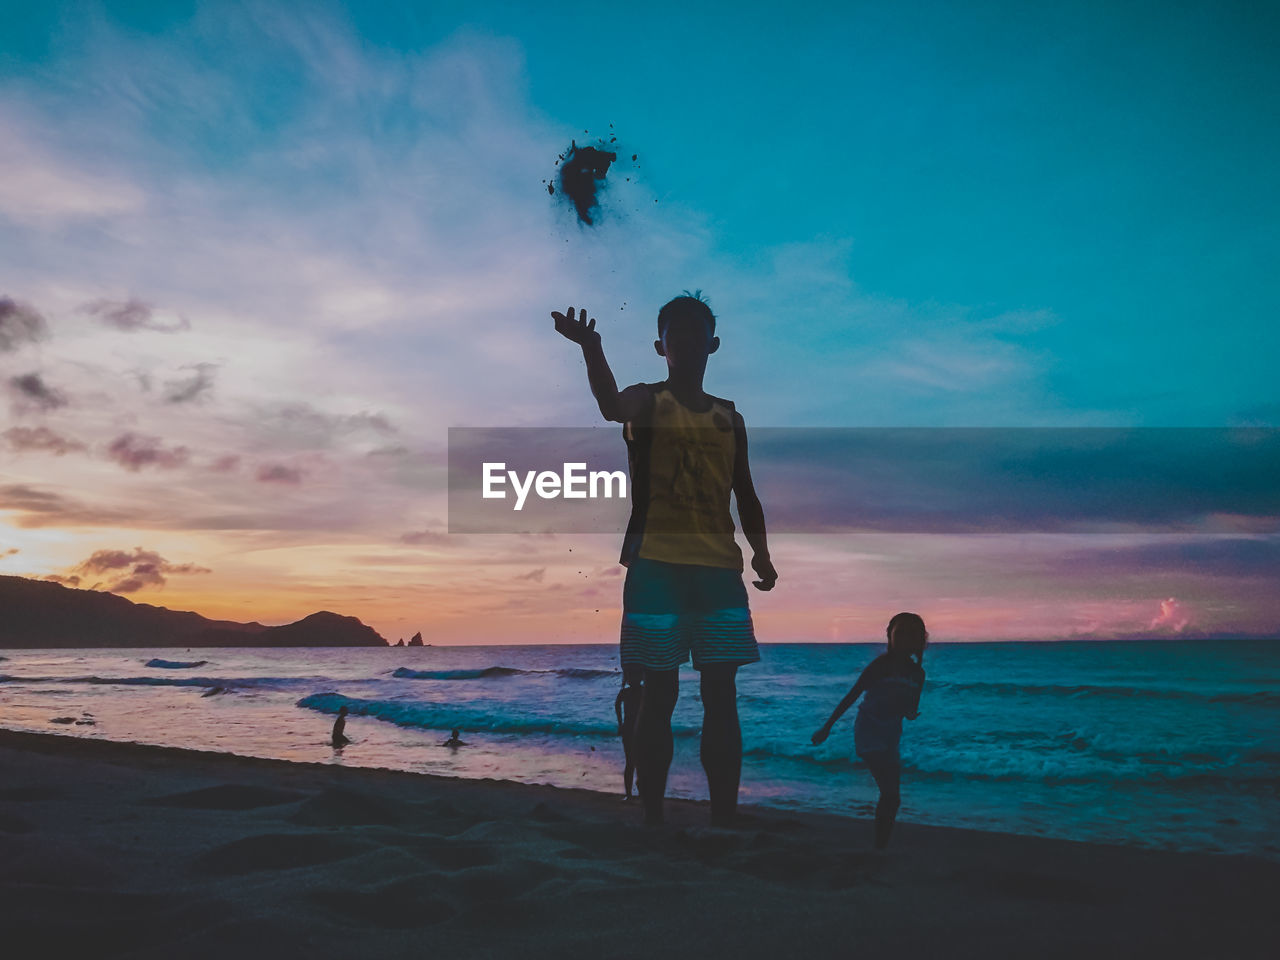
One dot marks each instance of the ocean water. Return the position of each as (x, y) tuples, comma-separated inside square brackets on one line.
[(1165, 744)]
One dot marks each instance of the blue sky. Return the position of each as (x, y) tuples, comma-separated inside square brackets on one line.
[(1105, 166), (332, 218)]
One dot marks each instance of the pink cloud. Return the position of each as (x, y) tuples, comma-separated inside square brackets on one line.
[(226, 463), (40, 438), (132, 570), (134, 451), (1172, 615), (279, 473)]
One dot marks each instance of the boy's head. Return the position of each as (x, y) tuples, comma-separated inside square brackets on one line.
[(686, 331)]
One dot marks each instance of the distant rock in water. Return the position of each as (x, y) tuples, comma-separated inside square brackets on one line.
[(41, 614), (400, 642), (416, 639)]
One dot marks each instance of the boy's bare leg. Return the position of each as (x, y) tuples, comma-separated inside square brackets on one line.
[(653, 739), (721, 741)]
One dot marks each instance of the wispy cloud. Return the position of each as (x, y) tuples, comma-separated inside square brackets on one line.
[(279, 473), (128, 571), (30, 390), (227, 463), (1253, 559), (302, 425), (41, 438), (37, 507), (135, 451), (40, 189), (197, 386), (20, 323), (133, 314)]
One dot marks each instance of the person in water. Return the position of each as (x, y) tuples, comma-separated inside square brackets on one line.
[(627, 707), (339, 728), (683, 593), (454, 740), (890, 688)]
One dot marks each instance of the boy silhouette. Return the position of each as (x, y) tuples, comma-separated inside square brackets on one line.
[(454, 741), (339, 737), (683, 594)]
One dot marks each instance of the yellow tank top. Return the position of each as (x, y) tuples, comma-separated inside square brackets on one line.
[(681, 479)]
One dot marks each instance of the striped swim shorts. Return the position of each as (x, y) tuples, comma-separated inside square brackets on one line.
[(670, 610)]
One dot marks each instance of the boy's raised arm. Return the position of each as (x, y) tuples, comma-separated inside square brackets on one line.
[(750, 512), (617, 405)]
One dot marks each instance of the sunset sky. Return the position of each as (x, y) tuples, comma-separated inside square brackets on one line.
[(257, 258)]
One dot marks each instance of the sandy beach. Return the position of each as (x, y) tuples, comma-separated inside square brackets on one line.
[(124, 850)]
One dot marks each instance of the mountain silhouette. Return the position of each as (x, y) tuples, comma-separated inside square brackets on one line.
[(40, 613)]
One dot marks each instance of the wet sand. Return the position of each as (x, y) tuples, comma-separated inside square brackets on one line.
[(123, 850)]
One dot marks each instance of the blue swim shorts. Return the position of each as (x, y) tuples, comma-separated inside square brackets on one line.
[(672, 610)]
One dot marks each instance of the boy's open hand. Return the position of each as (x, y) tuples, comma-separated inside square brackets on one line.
[(579, 330), (763, 567), (820, 736)]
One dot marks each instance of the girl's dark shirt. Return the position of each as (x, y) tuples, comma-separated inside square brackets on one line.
[(892, 688)]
